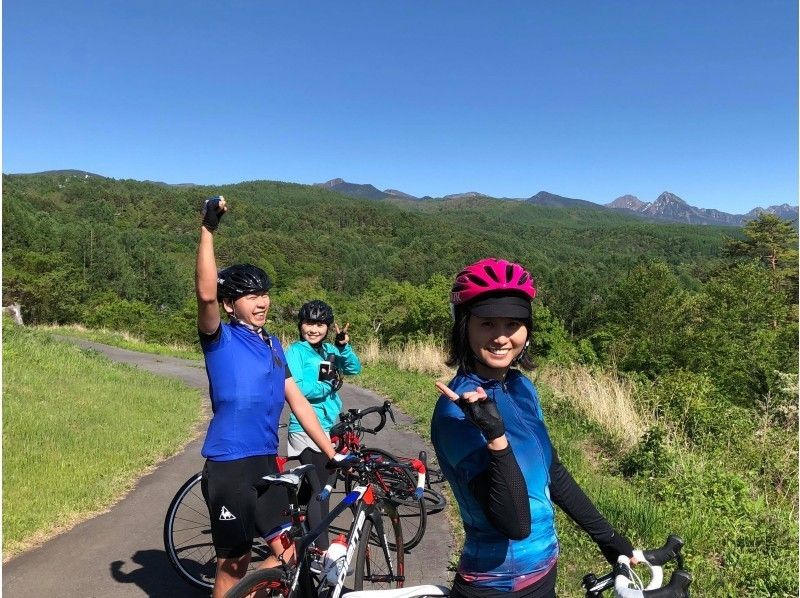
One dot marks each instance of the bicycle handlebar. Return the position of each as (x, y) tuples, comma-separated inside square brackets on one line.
[(357, 462), (356, 415), (621, 576)]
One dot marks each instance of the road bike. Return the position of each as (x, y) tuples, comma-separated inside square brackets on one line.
[(367, 557), (396, 484), (187, 527)]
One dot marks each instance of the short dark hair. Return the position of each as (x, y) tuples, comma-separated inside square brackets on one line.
[(460, 353)]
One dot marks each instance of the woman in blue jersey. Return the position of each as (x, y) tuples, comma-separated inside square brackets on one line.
[(493, 447), (248, 383), (317, 367)]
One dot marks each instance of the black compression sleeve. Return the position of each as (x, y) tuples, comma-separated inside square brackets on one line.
[(565, 492), (502, 492)]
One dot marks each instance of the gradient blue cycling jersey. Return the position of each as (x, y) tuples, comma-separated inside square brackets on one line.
[(246, 378), (489, 559)]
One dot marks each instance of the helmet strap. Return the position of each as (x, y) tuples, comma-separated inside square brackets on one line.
[(259, 330), (518, 358)]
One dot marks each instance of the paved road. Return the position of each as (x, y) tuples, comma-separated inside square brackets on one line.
[(121, 553)]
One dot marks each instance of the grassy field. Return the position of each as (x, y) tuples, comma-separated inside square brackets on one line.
[(78, 431)]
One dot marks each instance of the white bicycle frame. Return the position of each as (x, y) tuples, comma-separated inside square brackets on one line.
[(356, 496)]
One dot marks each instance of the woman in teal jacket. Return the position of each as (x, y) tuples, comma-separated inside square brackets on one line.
[(317, 367)]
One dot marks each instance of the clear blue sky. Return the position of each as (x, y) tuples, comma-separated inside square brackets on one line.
[(589, 99)]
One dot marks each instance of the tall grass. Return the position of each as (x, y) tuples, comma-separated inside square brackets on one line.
[(78, 430), (602, 397), (423, 357)]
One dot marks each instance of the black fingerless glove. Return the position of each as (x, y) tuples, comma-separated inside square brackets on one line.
[(485, 415), (615, 546), (340, 338), (211, 213)]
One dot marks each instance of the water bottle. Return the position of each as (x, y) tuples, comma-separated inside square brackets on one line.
[(334, 558)]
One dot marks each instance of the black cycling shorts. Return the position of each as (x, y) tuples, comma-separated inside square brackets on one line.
[(236, 509)]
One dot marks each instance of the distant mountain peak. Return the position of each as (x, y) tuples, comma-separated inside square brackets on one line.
[(628, 202), (353, 189), (545, 198), (467, 195), (669, 198), (331, 183)]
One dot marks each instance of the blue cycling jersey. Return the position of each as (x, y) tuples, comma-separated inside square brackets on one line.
[(246, 378), (489, 559)]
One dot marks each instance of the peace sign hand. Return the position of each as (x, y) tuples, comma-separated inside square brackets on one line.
[(342, 337), (479, 409)]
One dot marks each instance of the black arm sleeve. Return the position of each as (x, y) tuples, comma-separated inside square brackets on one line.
[(502, 492), (565, 492)]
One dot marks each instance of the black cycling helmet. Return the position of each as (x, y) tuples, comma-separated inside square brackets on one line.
[(240, 280), (315, 311)]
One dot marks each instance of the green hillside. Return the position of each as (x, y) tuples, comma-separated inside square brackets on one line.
[(86, 238)]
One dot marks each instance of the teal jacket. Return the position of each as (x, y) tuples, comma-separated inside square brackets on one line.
[(303, 361)]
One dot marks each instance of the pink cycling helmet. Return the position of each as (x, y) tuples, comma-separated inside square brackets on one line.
[(491, 275)]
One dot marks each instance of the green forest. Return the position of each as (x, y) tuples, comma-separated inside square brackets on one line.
[(613, 290), (702, 320)]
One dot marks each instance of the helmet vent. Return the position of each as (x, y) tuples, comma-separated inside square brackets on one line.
[(478, 281), (490, 273), (509, 272)]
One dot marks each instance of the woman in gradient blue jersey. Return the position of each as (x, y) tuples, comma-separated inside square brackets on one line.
[(493, 447)]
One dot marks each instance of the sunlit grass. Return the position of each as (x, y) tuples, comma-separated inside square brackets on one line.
[(78, 430), (125, 340)]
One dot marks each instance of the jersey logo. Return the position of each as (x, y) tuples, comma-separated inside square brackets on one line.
[(226, 515)]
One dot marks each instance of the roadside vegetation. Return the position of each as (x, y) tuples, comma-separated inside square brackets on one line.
[(78, 431), (728, 486), (668, 355), (124, 340)]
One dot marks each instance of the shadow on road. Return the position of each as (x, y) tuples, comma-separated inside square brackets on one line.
[(155, 576)]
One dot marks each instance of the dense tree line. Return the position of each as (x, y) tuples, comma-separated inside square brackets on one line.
[(647, 298)]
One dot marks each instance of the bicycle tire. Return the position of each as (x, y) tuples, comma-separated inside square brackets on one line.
[(398, 486), (267, 582), (187, 537), (435, 502), (372, 560)]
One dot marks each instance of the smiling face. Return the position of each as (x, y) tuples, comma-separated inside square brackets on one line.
[(496, 343), (313, 332), (251, 309)]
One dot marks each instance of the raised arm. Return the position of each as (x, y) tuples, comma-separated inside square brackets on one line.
[(500, 489), (205, 280)]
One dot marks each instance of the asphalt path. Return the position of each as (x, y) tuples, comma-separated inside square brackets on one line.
[(121, 552)]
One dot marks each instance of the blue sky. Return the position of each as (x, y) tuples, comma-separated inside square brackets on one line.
[(585, 99)]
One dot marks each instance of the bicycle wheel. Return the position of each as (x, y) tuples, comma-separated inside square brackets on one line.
[(267, 582), (398, 486), (187, 537), (377, 564), (434, 501)]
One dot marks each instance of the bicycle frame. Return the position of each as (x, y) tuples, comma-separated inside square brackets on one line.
[(366, 507)]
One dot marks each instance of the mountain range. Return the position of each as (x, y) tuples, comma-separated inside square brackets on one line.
[(666, 207)]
